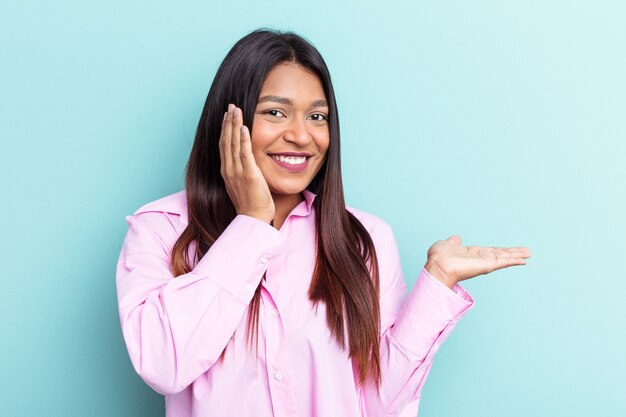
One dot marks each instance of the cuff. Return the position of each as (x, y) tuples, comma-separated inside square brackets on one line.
[(238, 258), (429, 314)]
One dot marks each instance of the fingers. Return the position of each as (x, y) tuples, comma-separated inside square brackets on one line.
[(247, 158), (221, 142), (518, 252), (495, 258), (225, 142), (505, 262), (230, 143), (505, 257), (465, 262), (525, 252), (235, 142)]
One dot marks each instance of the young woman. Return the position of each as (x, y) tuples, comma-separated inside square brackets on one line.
[(256, 291)]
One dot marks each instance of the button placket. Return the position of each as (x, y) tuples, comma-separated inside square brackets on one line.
[(277, 367), (276, 358)]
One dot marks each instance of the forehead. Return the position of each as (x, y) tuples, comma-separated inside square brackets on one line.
[(293, 81)]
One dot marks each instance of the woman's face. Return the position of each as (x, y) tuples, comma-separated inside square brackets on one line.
[(290, 133)]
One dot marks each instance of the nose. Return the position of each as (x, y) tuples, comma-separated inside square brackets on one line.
[(297, 132)]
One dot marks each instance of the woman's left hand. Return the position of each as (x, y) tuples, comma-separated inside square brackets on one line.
[(450, 262)]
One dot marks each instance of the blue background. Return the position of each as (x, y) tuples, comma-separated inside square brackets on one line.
[(503, 122)]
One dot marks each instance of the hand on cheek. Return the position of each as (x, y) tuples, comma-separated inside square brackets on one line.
[(244, 181)]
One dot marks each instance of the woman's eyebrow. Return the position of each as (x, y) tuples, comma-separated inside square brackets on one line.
[(287, 101)]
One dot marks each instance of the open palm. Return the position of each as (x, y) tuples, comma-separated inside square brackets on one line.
[(450, 262)]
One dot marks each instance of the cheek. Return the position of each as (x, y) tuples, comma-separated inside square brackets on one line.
[(262, 135), (323, 144), (258, 141)]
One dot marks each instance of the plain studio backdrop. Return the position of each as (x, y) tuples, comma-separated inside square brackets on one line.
[(501, 121)]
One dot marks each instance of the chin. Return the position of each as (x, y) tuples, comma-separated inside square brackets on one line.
[(290, 189)]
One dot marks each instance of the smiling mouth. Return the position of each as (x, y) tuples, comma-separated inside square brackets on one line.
[(295, 164), (291, 160)]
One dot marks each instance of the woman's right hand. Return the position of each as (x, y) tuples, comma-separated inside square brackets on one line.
[(244, 181)]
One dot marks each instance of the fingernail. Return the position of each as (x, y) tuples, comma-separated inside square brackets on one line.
[(225, 115), (231, 107), (237, 112)]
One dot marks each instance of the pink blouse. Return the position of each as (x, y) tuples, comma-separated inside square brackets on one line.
[(176, 329)]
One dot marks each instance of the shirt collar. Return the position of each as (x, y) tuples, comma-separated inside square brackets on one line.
[(184, 217), (304, 208)]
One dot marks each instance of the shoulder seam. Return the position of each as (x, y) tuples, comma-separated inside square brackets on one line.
[(167, 204)]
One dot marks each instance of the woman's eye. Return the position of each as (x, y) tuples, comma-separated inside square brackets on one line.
[(274, 113), (318, 117)]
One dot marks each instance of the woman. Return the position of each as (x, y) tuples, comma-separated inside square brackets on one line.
[(256, 291)]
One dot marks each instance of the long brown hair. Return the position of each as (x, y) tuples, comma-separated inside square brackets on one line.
[(345, 276)]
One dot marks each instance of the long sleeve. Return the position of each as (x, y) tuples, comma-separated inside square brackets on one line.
[(176, 328), (412, 330)]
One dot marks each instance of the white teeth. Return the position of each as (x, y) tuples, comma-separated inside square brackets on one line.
[(291, 160)]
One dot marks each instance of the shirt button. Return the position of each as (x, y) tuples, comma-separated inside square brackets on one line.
[(275, 313), (249, 287), (264, 259), (278, 376)]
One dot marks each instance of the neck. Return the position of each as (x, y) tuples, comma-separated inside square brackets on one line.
[(283, 205)]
